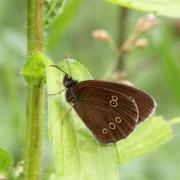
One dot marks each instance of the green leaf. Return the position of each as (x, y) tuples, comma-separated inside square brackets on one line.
[(53, 8), (148, 136), (61, 22), (77, 154), (169, 8), (34, 69), (5, 161)]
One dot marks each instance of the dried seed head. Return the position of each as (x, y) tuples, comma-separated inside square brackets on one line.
[(2, 177), (120, 75), (176, 25), (128, 46), (101, 35), (141, 43), (145, 24)]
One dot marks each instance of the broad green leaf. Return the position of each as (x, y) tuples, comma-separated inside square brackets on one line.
[(147, 137), (5, 161), (59, 26), (34, 69), (77, 154), (169, 8)]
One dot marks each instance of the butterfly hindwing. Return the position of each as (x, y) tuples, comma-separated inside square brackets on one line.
[(145, 103), (109, 115), (110, 110)]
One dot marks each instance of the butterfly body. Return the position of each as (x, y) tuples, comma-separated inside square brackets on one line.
[(110, 110), (72, 89)]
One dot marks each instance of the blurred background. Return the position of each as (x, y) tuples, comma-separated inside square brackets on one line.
[(154, 68)]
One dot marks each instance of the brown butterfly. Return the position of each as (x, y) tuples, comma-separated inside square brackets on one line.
[(110, 110)]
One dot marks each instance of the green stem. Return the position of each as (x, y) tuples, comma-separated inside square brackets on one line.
[(35, 104), (35, 25), (123, 22), (118, 60)]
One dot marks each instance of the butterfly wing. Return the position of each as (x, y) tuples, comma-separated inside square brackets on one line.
[(145, 103), (109, 115)]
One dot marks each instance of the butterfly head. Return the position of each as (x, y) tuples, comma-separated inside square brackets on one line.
[(68, 81)]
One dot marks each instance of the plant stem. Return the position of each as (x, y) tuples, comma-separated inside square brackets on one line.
[(35, 25), (118, 60), (113, 65), (35, 104), (123, 22)]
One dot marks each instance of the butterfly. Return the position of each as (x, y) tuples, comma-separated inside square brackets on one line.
[(110, 110)]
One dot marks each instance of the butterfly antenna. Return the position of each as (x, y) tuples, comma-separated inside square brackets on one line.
[(59, 69), (69, 66)]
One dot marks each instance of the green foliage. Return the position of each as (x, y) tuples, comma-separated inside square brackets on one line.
[(76, 149), (34, 69), (53, 8), (147, 137), (77, 153), (5, 161), (166, 8), (60, 24), (145, 69), (172, 72), (171, 66)]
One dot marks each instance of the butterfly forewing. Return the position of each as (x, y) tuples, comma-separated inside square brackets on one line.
[(109, 114), (110, 110), (145, 103)]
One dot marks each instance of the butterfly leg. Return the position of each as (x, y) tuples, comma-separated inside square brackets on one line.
[(72, 106), (59, 83), (57, 93)]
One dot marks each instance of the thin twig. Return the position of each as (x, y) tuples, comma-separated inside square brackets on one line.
[(122, 28)]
